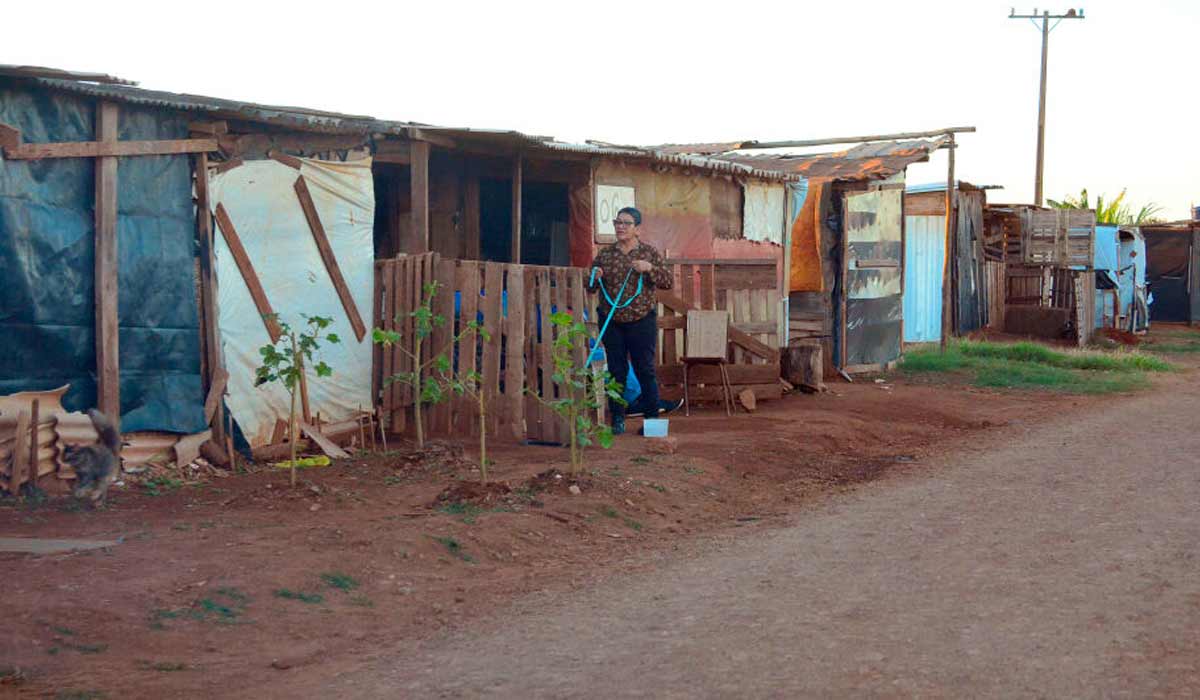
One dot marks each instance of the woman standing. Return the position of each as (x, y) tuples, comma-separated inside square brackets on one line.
[(632, 336)]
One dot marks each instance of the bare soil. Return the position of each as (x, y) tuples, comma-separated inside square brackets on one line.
[(219, 587)]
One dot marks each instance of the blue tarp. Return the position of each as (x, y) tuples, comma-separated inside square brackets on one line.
[(47, 311)]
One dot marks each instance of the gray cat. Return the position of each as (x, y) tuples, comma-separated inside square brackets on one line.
[(96, 465)]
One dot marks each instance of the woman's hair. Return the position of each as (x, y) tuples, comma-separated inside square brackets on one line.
[(637, 215)]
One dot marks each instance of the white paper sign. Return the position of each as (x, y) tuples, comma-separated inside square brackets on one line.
[(610, 200)]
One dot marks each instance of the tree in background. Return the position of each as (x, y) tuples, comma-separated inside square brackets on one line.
[(1112, 212)]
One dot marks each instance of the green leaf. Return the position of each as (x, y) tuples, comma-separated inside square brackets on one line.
[(323, 370), (604, 436), (333, 338)]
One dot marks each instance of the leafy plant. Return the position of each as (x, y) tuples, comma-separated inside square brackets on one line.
[(301, 596), (1111, 212), (581, 390), (288, 365), (427, 387)]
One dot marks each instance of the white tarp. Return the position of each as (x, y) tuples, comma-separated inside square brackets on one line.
[(261, 201), (763, 214)]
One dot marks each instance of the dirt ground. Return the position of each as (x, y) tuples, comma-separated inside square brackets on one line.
[(218, 587)]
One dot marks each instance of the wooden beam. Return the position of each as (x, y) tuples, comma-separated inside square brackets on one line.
[(108, 372), (10, 137), (516, 210), (208, 305), (432, 137), (257, 293), (214, 128), (101, 149), (327, 256), (947, 257), (418, 178), (290, 161)]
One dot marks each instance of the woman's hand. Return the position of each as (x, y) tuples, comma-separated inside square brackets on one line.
[(642, 266)]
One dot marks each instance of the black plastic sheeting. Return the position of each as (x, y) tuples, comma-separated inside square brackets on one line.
[(47, 309), (1167, 257)]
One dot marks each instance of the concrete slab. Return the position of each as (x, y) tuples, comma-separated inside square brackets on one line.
[(36, 545)]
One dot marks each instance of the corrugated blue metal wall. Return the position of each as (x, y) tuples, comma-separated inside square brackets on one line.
[(924, 258)]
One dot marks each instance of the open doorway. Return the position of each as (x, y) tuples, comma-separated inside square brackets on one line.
[(544, 222)]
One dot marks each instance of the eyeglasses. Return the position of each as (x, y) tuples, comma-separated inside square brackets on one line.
[(622, 222)]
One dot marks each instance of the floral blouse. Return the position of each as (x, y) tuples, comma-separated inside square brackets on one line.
[(616, 264)]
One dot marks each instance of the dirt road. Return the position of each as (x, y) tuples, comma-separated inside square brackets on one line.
[(1058, 562)]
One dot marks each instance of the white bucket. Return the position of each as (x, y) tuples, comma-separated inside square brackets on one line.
[(655, 427)]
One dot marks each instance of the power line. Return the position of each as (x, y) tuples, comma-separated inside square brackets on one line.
[(1046, 28)]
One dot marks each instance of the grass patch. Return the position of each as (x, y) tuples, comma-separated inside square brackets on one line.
[(468, 512), (310, 598), (1028, 365), (454, 547), (609, 512), (342, 582), (161, 485)]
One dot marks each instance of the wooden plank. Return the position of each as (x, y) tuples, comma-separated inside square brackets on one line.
[(514, 371), (533, 425), (213, 127), (744, 277), (327, 446), (331, 264), (712, 392), (10, 136), (21, 462), (398, 325), (227, 165), (711, 374), (34, 419), (290, 161), (418, 179), (443, 335), (108, 374), (492, 284), (750, 343), (707, 334), (106, 148), (209, 326), (687, 285), (515, 255), (547, 417), (212, 402), (707, 285), (469, 274), (377, 353), (242, 260), (432, 137)]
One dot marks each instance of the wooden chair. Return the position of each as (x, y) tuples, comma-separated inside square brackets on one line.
[(707, 343)]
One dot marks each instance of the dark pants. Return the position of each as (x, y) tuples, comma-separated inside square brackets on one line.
[(634, 342)]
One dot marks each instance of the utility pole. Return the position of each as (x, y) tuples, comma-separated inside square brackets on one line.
[(1046, 28)]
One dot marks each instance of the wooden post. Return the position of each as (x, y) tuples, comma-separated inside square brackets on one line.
[(419, 189), (946, 265), (108, 373), (516, 210), (208, 294)]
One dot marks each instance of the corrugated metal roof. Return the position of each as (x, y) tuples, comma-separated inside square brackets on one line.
[(869, 161), (296, 117), (43, 72), (332, 122), (941, 187)]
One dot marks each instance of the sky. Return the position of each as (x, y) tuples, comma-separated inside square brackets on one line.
[(1123, 87)]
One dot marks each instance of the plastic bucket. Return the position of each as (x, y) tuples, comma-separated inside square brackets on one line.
[(655, 427)]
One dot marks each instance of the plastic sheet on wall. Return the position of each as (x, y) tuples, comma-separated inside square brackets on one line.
[(764, 212), (47, 247), (873, 276), (261, 201)]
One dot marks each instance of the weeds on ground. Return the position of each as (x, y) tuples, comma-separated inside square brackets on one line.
[(469, 511), (223, 607), (161, 485), (310, 598), (342, 582), (165, 666), (454, 547), (1028, 365)]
